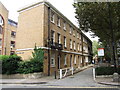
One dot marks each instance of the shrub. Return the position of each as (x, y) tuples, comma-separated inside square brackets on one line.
[(9, 63), (106, 70), (31, 66)]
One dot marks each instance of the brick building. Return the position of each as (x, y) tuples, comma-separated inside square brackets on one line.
[(8, 30), (64, 44)]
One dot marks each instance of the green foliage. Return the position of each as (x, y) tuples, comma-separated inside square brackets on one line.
[(38, 54), (96, 16), (95, 46), (33, 65), (106, 70), (9, 64), (13, 64)]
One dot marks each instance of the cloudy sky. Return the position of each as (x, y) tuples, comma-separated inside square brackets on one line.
[(64, 6)]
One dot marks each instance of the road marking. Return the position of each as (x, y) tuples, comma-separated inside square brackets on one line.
[(78, 87)]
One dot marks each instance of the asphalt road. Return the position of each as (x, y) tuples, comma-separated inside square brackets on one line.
[(82, 81)]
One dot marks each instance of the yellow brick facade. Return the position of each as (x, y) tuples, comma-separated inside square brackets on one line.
[(37, 25), (5, 32)]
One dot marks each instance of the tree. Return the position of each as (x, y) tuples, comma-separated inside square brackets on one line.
[(99, 17)]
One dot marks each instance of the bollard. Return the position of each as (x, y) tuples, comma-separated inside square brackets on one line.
[(55, 75), (115, 77)]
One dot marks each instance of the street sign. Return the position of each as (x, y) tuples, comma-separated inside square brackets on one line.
[(100, 51)]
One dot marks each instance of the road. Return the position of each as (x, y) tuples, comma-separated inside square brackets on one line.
[(81, 80)]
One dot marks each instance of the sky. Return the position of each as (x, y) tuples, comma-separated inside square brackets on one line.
[(64, 6)]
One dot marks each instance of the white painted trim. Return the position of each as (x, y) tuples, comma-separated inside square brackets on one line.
[(26, 49), (30, 7)]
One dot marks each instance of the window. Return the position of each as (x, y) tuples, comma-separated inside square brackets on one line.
[(73, 32), (70, 44), (64, 25), (58, 21), (59, 38), (0, 52), (52, 17), (86, 59), (12, 44), (65, 59), (78, 47), (12, 52), (1, 29), (52, 37), (74, 46), (65, 45), (74, 59), (77, 35), (13, 34), (12, 23), (0, 42), (52, 60), (1, 21), (70, 30), (81, 60)]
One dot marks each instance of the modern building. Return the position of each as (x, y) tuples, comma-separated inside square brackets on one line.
[(65, 46), (8, 29)]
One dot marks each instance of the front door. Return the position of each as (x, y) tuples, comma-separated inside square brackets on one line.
[(59, 62), (70, 60)]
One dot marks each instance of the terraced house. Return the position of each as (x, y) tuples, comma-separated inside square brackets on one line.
[(64, 44), (8, 29)]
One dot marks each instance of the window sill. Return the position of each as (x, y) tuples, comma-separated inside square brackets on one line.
[(59, 26), (52, 66), (53, 22)]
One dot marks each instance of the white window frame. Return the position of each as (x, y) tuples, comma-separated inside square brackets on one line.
[(52, 60), (58, 22), (75, 61), (65, 59), (74, 46), (52, 16), (53, 36), (77, 35), (1, 20), (53, 64), (73, 32), (78, 46), (65, 42), (70, 30), (59, 38), (70, 44), (64, 25)]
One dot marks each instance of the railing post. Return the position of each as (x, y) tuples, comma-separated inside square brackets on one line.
[(72, 70), (94, 73), (60, 73)]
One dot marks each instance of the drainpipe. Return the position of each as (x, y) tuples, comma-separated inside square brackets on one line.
[(82, 48), (48, 41)]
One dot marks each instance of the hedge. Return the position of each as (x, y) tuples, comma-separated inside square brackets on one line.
[(9, 64), (13, 64), (31, 66), (106, 70)]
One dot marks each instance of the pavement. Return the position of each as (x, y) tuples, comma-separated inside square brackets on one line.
[(80, 79), (106, 81)]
